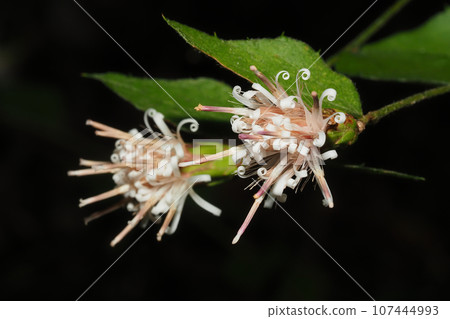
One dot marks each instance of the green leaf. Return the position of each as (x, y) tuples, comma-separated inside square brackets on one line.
[(185, 94), (271, 56), (419, 55)]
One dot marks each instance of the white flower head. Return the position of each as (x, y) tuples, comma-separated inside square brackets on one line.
[(146, 173), (281, 136)]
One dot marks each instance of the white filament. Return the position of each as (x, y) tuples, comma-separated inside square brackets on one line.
[(193, 127), (266, 93), (204, 204), (332, 154), (288, 103), (305, 74), (284, 74), (262, 171), (241, 171), (320, 140), (158, 118), (330, 94), (340, 118), (237, 95)]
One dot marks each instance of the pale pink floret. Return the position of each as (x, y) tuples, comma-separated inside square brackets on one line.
[(146, 173), (281, 136)]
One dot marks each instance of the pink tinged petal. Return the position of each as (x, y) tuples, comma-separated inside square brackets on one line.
[(263, 190), (273, 177), (176, 219), (92, 171), (328, 198), (209, 158), (114, 192), (264, 79), (108, 131), (85, 162), (132, 223), (250, 137), (248, 219), (106, 211), (316, 112), (167, 221), (268, 133), (219, 109)]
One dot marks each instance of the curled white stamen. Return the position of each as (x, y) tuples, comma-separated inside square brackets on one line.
[(303, 150), (247, 159), (239, 126), (262, 171), (320, 140), (243, 99), (288, 103), (147, 114), (332, 154), (119, 144), (249, 94), (254, 115), (158, 118), (292, 147), (271, 127), (193, 127), (266, 93), (280, 185), (284, 74), (292, 183), (237, 153), (234, 118), (265, 145), (277, 144), (115, 158), (340, 117), (241, 171), (305, 74), (330, 94), (301, 173)]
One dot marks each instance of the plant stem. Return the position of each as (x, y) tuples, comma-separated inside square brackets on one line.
[(374, 116), (382, 171), (365, 35)]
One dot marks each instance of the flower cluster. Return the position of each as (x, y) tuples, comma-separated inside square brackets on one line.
[(145, 168), (282, 137)]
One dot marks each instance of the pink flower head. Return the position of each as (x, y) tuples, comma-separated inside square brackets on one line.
[(281, 136), (146, 173)]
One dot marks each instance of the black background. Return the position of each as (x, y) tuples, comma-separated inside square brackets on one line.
[(389, 234)]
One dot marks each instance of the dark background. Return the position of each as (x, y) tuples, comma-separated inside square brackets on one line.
[(389, 234)]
